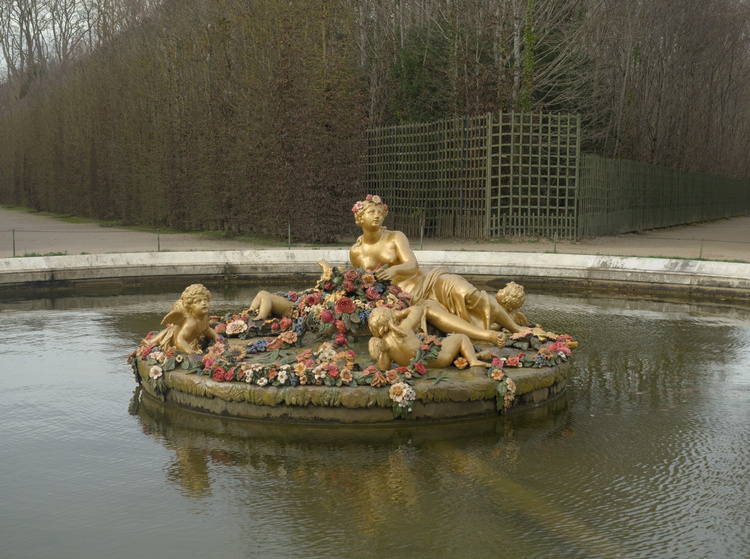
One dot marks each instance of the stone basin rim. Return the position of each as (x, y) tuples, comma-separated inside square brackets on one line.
[(717, 280)]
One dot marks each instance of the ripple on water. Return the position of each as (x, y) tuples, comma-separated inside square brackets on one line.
[(646, 458)]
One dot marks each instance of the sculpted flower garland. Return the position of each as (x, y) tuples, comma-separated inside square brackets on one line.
[(337, 308)]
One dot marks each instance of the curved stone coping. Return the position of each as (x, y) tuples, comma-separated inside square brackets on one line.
[(463, 394), (681, 275)]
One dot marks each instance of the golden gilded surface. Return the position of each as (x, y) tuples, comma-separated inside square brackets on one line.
[(450, 302), (187, 322)]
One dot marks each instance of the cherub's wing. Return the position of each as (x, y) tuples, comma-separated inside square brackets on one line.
[(176, 314)]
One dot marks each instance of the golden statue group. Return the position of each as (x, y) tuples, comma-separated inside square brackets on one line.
[(416, 319)]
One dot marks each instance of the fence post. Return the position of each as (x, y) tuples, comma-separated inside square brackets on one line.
[(488, 179)]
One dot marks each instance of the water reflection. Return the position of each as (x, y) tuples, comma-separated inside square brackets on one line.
[(646, 456)]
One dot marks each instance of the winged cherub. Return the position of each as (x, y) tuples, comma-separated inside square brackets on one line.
[(187, 322)]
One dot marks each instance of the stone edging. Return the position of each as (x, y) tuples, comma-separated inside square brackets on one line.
[(697, 277)]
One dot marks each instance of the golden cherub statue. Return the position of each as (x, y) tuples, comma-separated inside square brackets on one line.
[(394, 339), (266, 304), (187, 322), (511, 298)]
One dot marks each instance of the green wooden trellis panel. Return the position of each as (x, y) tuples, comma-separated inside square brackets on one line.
[(478, 177), (522, 174), (533, 175), (617, 196)]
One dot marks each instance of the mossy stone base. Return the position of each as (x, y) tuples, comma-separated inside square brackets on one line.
[(459, 394)]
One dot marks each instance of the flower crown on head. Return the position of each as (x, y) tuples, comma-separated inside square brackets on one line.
[(375, 199)]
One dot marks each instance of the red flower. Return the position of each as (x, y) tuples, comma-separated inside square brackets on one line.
[(341, 340), (292, 296), (328, 286), (314, 299), (351, 275), (497, 362), (327, 317), (395, 289), (218, 374), (372, 294), (345, 305), (285, 324), (349, 286), (370, 370), (229, 375), (419, 366), (170, 353), (340, 326), (220, 328), (333, 372), (275, 327), (304, 355)]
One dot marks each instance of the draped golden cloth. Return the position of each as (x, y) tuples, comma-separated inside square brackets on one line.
[(454, 293)]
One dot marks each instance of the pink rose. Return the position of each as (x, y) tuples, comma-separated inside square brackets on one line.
[(327, 317), (333, 372), (208, 362), (395, 289), (420, 367), (370, 370), (229, 375), (340, 326), (275, 344), (497, 362), (341, 340), (218, 374), (345, 305), (314, 299), (351, 275), (285, 324), (349, 287), (512, 361), (328, 286), (292, 296), (275, 327), (220, 328), (372, 294)]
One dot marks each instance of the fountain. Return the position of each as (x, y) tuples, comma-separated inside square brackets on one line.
[(327, 353)]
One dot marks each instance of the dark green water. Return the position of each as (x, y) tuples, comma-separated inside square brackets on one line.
[(646, 456)]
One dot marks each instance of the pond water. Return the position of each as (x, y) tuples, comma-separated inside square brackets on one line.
[(645, 456)]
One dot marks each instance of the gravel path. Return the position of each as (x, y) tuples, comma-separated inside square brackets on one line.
[(34, 234)]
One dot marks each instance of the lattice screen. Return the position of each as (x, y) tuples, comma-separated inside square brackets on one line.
[(478, 177)]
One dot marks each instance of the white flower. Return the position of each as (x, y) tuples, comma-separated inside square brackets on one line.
[(236, 327), (262, 381), (155, 372), (398, 391), (158, 356), (178, 359), (282, 377)]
